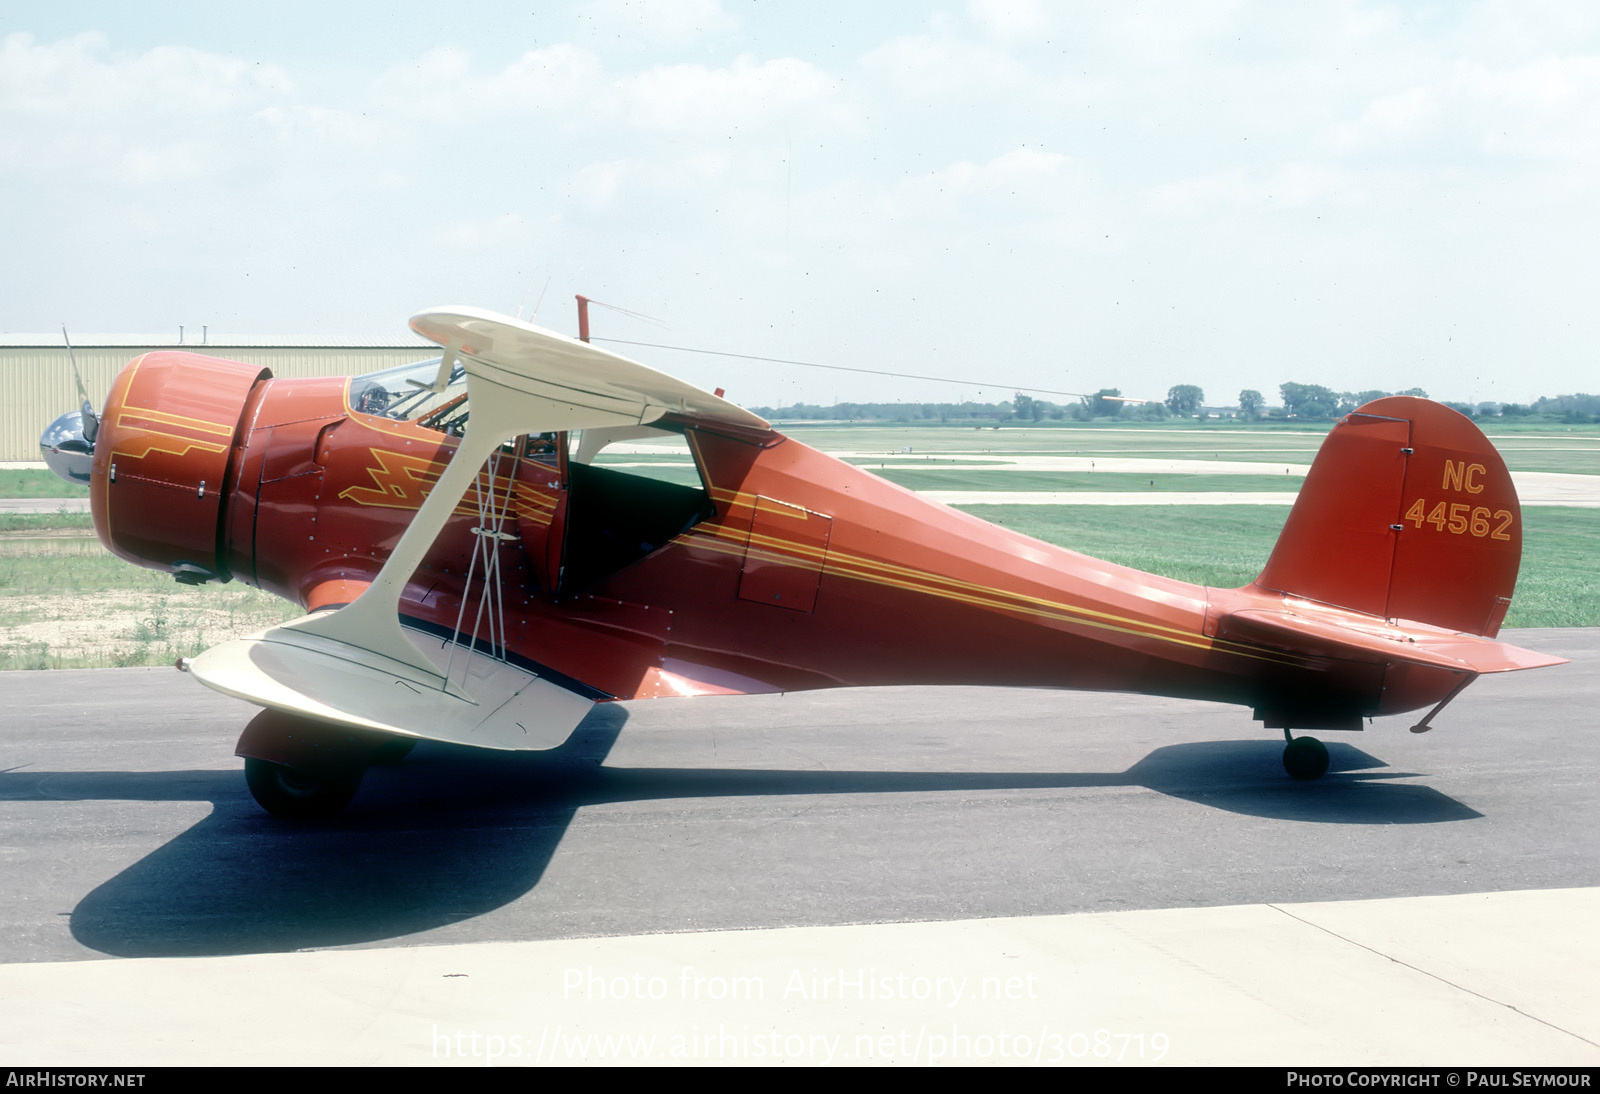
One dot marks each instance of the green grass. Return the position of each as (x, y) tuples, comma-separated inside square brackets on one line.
[(1101, 481), (1572, 458), (673, 467), (1559, 585), (66, 602), (40, 565), (1225, 546), (42, 523), (611, 459), (1219, 545), (919, 461), (37, 484), (1191, 443)]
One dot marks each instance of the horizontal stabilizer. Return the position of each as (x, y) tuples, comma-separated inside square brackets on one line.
[(1326, 636)]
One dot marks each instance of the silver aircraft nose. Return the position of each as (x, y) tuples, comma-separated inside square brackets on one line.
[(67, 452)]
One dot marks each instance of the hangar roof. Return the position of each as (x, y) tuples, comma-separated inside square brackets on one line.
[(215, 340)]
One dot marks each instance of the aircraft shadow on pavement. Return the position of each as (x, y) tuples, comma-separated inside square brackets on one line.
[(453, 834)]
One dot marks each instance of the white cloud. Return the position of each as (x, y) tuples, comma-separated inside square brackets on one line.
[(1539, 110), (79, 77), (597, 185), (1290, 186), (445, 85), (656, 24), (746, 95), (1011, 21), (946, 64), (156, 117), (1016, 185), (504, 232)]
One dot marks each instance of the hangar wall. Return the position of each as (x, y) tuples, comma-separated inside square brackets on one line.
[(36, 384)]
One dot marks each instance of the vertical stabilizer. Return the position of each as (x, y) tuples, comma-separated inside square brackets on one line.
[(1408, 512)]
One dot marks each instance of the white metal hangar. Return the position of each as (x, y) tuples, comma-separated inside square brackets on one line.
[(36, 383)]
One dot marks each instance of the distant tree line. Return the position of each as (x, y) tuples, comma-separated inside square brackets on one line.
[(903, 412), (1315, 401), (1298, 401)]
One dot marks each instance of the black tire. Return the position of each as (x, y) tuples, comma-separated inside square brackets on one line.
[(1305, 758), (292, 794)]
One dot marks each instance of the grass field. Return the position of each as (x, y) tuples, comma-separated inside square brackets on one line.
[(1575, 452), (935, 478), (1171, 444), (66, 602), (29, 483), (922, 461), (16, 525)]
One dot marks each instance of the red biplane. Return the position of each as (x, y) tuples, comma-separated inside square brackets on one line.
[(472, 575)]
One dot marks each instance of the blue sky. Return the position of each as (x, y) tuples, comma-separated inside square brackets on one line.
[(1067, 196)]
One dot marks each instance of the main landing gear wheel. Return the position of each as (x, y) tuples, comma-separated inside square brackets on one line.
[(1305, 758), (292, 794)]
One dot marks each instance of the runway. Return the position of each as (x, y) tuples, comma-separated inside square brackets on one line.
[(126, 832)]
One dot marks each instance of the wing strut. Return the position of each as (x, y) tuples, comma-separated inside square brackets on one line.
[(501, 408), (490, 534), (356, 666)]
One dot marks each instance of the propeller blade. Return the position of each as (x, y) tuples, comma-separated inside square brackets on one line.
[(91, 420)]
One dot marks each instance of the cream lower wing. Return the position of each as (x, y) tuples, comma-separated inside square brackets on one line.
[(494, 705), (356, 666)]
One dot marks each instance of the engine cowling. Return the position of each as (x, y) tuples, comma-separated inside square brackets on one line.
[(164, 460)]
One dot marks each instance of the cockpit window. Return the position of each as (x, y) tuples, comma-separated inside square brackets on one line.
[(405, 393), (653, 491)]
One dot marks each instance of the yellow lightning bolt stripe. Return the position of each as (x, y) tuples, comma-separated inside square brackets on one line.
[(402, 481), (130, 415), (145, 439), (151, 440), (137, 448), (395, 477)]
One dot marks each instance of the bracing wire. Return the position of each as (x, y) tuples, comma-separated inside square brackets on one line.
[(848, 368)]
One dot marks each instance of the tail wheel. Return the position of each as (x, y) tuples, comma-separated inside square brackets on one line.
[(1305, 758), (293, 794)]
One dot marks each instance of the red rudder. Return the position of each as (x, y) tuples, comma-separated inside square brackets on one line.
[(1408, 512)]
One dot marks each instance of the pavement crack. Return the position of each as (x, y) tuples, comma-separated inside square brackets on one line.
[(1435, 976)]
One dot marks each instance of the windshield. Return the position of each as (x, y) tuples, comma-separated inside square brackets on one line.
[(405, 394)]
